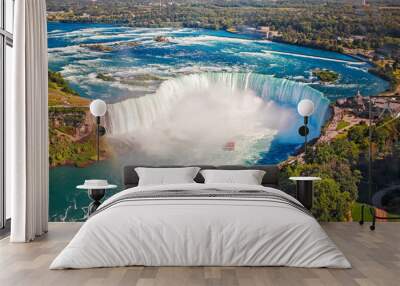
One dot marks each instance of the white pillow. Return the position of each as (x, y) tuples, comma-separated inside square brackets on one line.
[(248, 177), (165, 176)]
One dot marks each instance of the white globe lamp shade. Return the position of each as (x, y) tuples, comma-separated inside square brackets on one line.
[(305, 107), (98, 107)]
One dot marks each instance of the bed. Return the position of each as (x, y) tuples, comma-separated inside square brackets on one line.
[(197, 224)]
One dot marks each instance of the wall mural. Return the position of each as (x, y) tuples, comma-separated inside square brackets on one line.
[(200, 94)]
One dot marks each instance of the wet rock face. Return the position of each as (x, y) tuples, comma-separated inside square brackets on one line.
[(161, 39), (97, 47)]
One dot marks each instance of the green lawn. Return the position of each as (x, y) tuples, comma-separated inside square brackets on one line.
[(356, 213), (342, 124)]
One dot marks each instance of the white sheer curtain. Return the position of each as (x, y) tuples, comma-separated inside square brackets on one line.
[(27, 123)]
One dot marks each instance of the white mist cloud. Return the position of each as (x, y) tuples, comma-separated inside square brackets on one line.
[(199, 122)]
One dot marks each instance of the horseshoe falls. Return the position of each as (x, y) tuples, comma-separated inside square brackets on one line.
[(206, 111)]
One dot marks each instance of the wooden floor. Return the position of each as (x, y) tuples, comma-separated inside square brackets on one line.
[(375, 257)]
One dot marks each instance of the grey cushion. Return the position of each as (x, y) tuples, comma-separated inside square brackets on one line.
[(270, 179)]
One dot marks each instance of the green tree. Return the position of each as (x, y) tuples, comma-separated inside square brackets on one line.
[(359, 135), (330, 204)]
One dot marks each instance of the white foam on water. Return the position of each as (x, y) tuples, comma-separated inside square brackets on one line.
[(257, 54), (74, 51), (93, 63), (210, 40), (314, 57), (363, 69)]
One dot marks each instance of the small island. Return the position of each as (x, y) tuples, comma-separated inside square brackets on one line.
[(326, 76), (105, 47), (97, 47), (129, 44), (139, 79), (105, 77)]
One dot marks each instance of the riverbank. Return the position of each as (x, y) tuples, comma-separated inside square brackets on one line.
[(385, 68), (72, 139), (347, 113), (340, 156)]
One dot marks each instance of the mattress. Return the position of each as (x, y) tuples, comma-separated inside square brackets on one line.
[(201, 225)]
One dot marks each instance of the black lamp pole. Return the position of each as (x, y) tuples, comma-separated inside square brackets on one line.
[(306, 133), (100, 131), (303, 131), (98, 137)]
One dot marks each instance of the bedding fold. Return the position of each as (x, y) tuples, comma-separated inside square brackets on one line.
[(201, 225)]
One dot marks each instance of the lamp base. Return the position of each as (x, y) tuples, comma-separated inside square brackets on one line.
[(96, 195), (304, 193)]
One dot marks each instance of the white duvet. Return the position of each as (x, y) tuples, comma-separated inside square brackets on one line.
[(203, 232)]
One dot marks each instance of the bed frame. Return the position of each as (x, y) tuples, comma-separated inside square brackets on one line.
[(270, 179)]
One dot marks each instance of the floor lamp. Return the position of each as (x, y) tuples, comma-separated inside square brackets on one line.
[(98, 108), (305, 109)]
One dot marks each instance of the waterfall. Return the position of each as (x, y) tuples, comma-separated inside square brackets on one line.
[(141, 112), (191, 119)]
